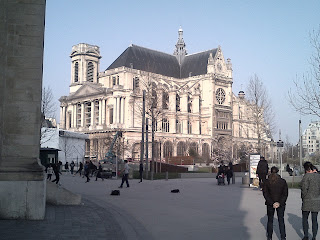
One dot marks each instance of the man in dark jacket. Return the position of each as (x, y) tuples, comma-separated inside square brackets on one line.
[(262, 171), (275, 192)]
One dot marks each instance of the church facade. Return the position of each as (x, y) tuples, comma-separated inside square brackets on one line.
[(188, 102)]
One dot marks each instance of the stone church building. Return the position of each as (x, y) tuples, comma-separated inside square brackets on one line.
[(188, 96)]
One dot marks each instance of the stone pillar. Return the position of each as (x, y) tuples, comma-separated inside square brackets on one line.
[(122, 110), (103, 118), (74, 116), (82, 116), (172, 101), (100, 112), (22, 181), (184, 102), (92, 123), (116, 110)]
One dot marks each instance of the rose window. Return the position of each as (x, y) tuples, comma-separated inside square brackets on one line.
[(220, 95)]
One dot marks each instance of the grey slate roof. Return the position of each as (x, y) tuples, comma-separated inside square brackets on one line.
[(162, 63)]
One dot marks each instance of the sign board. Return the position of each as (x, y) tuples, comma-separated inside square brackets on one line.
[(254, 160), (280, 143)]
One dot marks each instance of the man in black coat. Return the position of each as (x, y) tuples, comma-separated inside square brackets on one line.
[(275, 192), (262, 171)]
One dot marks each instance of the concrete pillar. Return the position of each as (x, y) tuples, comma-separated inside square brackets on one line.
[(22, 181)]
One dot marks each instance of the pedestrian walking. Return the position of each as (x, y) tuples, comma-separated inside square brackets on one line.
[(72, 167), (141, 172), (56, 171), (80, 169), (66, 167), (49, 172), (275, 192), (229, 174), (310, 195), (262, 171), (99, 172), (125, 174), (87, 171)]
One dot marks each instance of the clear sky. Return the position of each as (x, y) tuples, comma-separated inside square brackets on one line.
[(267, 38)]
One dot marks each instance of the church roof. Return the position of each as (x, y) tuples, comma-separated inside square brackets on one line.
[(163, 63)]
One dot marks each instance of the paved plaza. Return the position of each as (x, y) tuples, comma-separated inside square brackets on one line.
[(148, 210)]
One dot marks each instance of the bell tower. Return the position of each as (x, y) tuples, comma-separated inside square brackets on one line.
[(85, 62)]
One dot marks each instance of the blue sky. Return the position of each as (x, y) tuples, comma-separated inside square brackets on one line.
[(267, 38)]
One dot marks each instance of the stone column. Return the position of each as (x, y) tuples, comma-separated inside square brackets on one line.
[(74, 116), (92, 123), (82, 116), (172, 101), (116, 110), (100, 112), (122, 110), (22, 181), (103, 118)]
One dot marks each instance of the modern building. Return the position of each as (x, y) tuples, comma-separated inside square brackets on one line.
[(188, 98), (311, 138), (69, 146)]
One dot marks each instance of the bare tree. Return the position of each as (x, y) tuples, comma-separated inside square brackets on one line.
[(261, 109), (305, 97), (156, 100), (48, 110)]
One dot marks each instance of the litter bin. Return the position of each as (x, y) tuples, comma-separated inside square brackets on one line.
[(246, 179)]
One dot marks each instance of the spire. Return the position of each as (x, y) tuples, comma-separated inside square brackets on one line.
[(180, 51)]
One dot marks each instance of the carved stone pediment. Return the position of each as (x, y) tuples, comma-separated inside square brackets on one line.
[(88, 90)]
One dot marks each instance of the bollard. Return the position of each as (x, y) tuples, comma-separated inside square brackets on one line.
[(246, 180), (233, 179), (167, 176), (151, 175)]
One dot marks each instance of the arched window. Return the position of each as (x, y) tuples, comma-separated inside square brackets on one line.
[(90, 72), (181, 149), (165, 125), (87, 113), (205, 151), (193, 147), (167, 149), (76, 71), (189, 104), (165, 100), (154, 98), (177, 103)]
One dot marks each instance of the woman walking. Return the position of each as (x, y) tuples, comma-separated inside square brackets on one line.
[(275, 192)]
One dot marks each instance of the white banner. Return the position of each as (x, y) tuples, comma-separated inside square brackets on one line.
[(254, 160)]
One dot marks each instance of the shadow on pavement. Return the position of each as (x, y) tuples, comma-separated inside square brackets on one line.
[(296, 223)]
